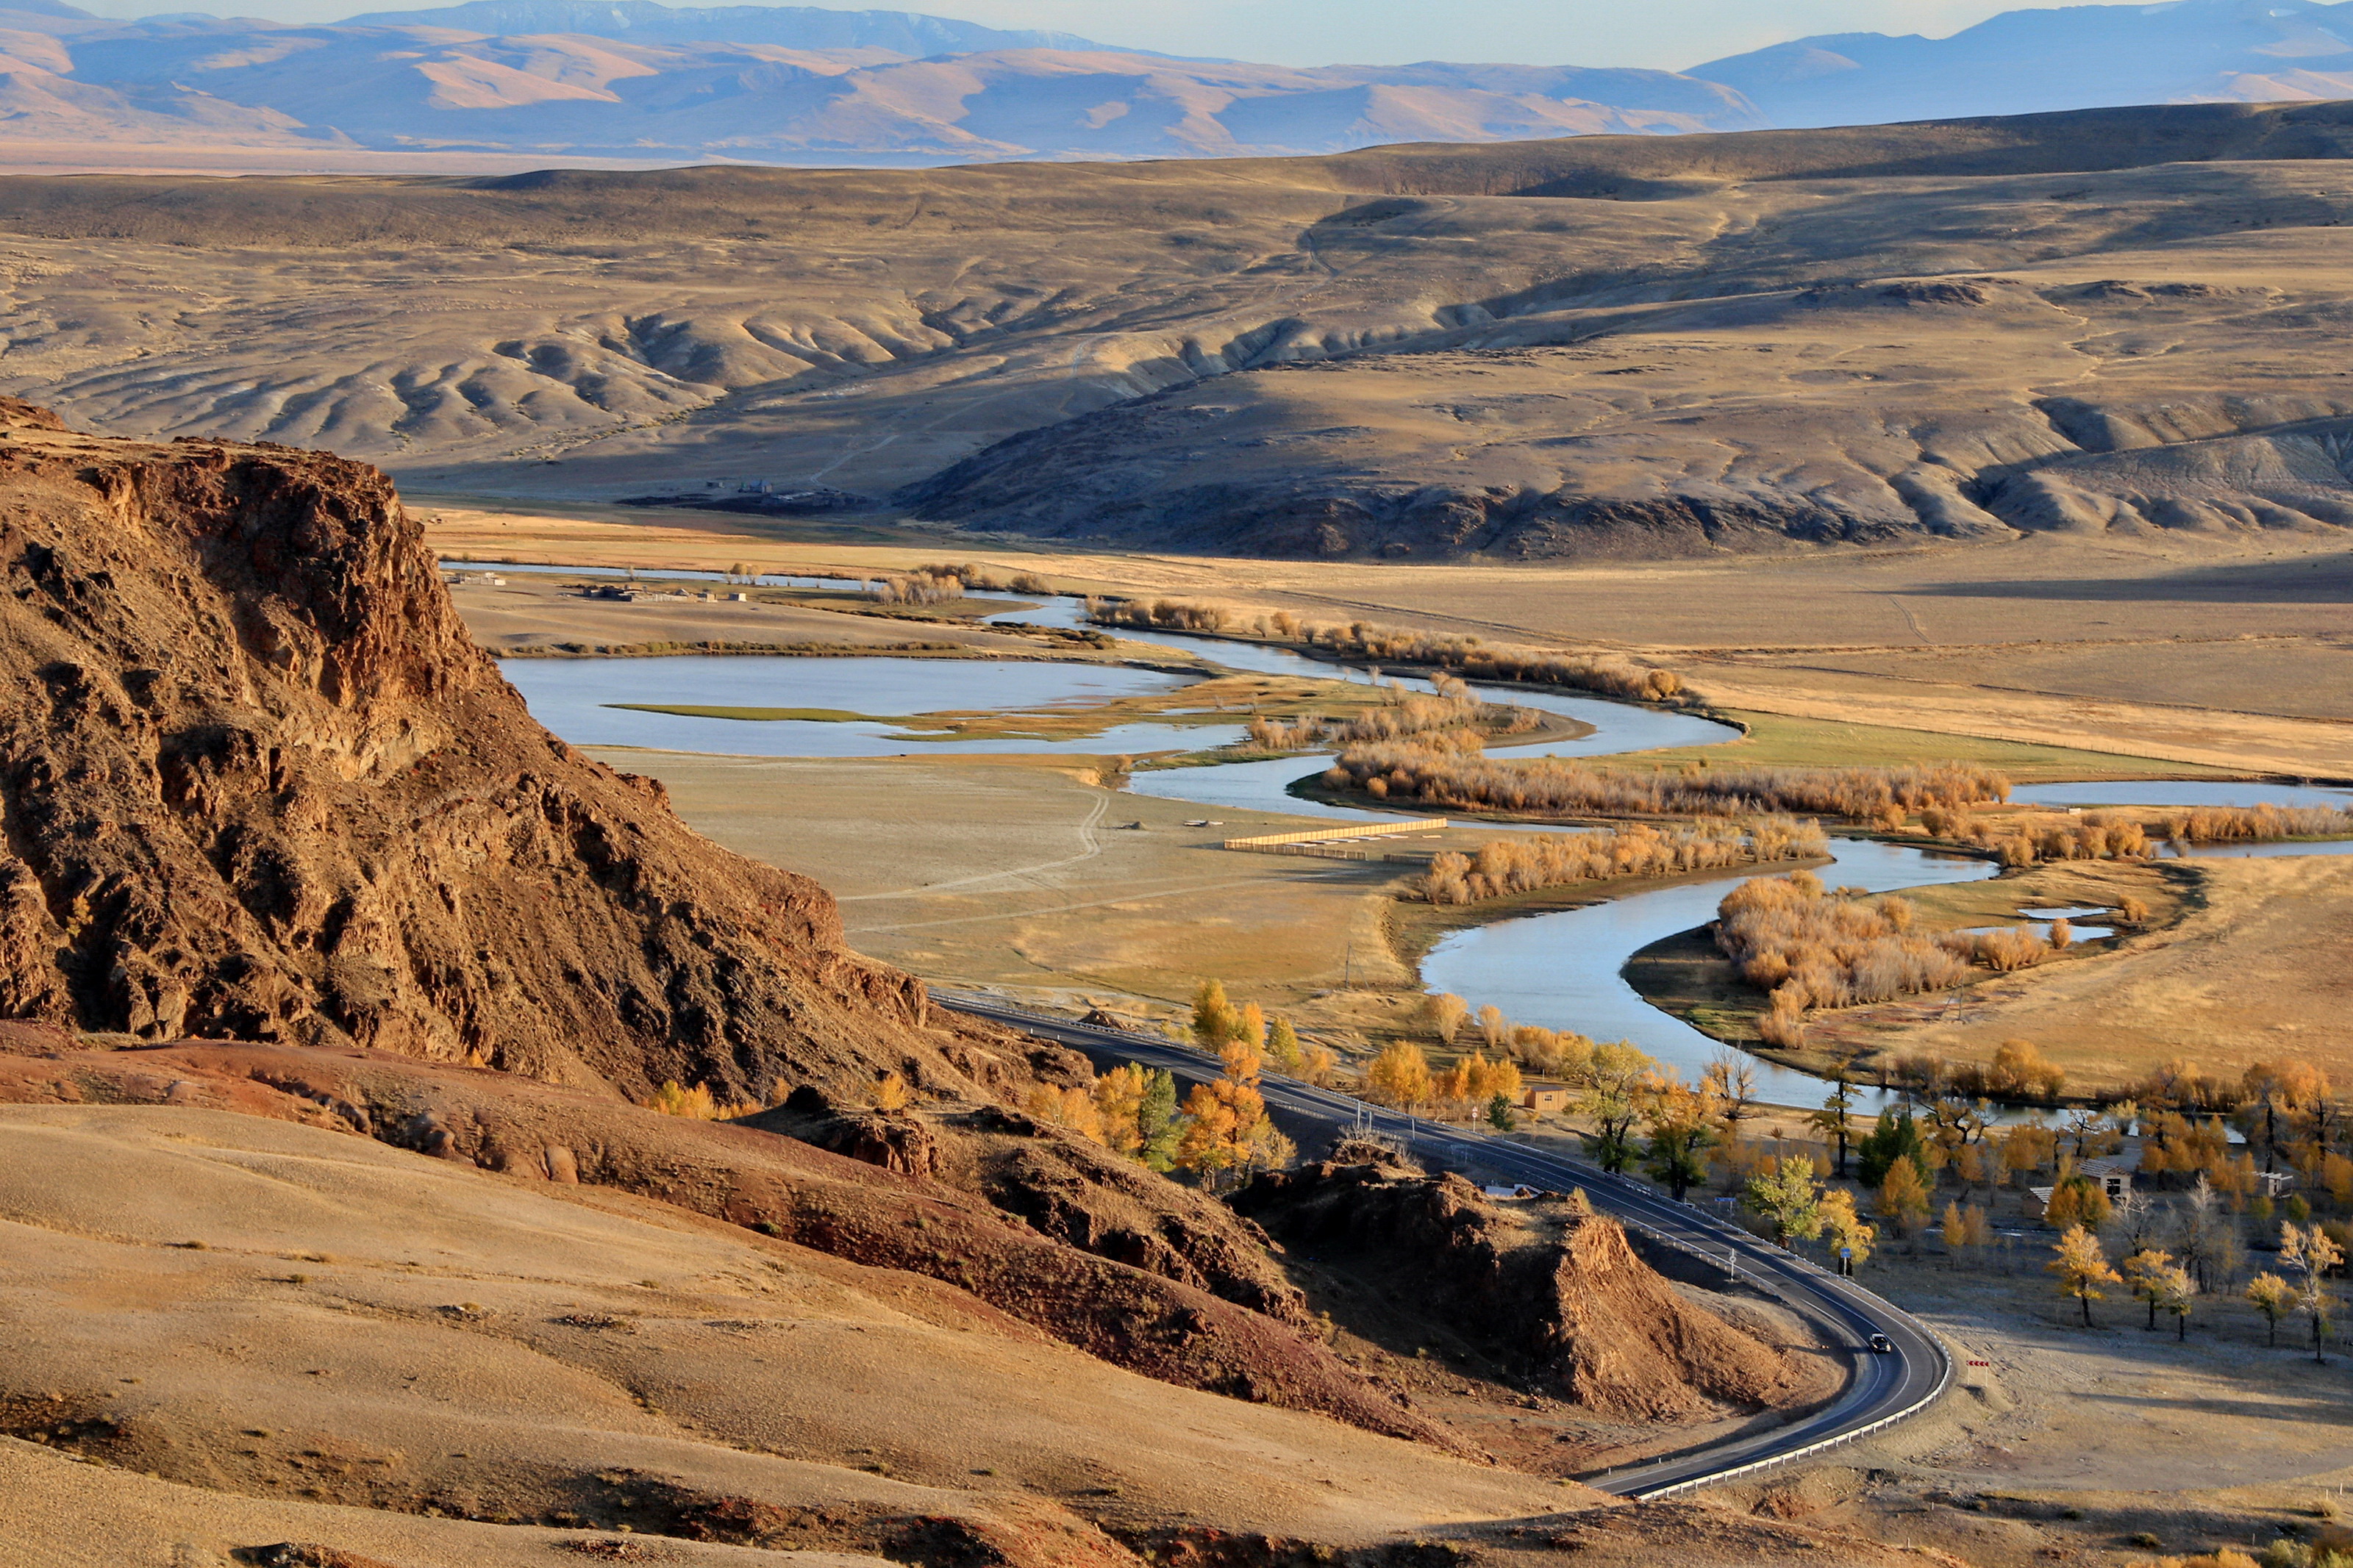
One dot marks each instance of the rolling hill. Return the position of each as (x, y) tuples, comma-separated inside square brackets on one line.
[(2121, 322)]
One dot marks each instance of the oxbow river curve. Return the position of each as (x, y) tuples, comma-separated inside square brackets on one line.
[(1562, 970)]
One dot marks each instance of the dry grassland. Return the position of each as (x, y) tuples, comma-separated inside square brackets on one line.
[(1775, 740), (2241, 742), (2259, 965), (1017, 872)]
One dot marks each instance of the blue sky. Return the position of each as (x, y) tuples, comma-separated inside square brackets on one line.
[(1662, 34)]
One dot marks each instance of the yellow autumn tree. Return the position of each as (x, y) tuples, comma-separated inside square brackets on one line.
[(1283, 1047), (1227, 1128), (1844, 1232), (2273, 1297), (1242, 1059), (1399, 1076), (2081, 1267), (1215, 1019), (1904, 1197), (1073, 1108), (2144, 1274), (1119, 1105)]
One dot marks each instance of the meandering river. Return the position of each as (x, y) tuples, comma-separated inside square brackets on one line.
[(1560, 970)]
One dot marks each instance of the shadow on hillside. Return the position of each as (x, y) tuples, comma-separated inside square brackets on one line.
[(2324, 580)]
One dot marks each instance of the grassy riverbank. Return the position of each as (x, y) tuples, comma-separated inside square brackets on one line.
[(1688, 976), (1774, 739)]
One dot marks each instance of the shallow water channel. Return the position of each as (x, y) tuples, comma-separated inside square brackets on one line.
[(579, 699), (1560, 970)]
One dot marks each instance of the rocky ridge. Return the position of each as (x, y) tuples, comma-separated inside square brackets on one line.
[(1559, 1294), (259, 783)]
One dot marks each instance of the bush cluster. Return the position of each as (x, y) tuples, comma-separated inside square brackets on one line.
[(1609, 674), (1882, 796), (1523, 865)]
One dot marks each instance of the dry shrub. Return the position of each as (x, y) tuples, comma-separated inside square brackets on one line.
[(2004, 951), (971, 574), (697, 1103), (1452, 707), (2018, 1071), (2139, 834), (926, 586), (1523, 865), (1873, 795), (1819, 949), (1609, 674), (1784, 1023)]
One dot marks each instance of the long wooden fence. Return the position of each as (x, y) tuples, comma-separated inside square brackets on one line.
[(1339, 843), (1278, 843)]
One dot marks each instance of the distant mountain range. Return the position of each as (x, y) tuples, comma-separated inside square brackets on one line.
[(2081, 56), (629, 78), (634, 79), (787, 26)]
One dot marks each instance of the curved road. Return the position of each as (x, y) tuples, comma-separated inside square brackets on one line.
[(1882, 1389)]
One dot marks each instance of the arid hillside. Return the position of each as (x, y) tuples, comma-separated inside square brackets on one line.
[(249, 1341), (259, 783), (2123, 321)]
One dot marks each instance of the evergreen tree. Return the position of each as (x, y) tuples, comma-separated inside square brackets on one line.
[(1155, 1121), (1896, 1137)]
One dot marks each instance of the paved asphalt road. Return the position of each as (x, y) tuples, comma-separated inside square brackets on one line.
[(1884, 1387)]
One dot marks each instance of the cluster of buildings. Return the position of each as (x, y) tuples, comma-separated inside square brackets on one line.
[(630, 594)]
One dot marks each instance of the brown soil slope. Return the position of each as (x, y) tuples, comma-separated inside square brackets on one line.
[(258, 782), (240, 1331), (1179, 1293), (257, 1308)]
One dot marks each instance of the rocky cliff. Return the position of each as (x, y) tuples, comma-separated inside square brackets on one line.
[(1558, 1294), (257, 784)]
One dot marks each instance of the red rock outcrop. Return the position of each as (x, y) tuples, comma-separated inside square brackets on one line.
[(258, 783), (1560, 1292)]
